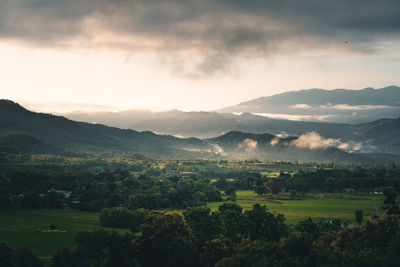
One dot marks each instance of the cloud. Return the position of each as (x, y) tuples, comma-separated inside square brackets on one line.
[(216, 149), (355, 107), (274, 141), (248, 144), (282, 135), (313, 140), (206, 35), (301, 106), (295, 117)]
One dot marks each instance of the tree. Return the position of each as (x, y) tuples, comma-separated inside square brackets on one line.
[(123, 218), (168, 236), (293, 194), (8, 255), (120, 250), (137, 218), (213, 251), (232, 220), (307, 226), (92, 245), (390, 204), (231, 193), (275, 188), (103, 248), (68, 257), (221, 183), (261, 190), (205, 226), (30, 200), (264, 225), (27, 259), (359, 216)]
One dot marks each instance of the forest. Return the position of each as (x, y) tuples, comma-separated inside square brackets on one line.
[(161, 208)]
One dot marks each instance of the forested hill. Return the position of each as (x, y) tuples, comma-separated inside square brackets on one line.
[(68, 135), (23, 131)]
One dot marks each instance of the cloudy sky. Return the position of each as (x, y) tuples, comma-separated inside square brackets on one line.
[(193, 54)]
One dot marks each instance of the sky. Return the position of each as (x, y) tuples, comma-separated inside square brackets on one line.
[(193, 54)]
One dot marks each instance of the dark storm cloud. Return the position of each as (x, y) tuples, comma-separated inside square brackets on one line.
[(215, 29)]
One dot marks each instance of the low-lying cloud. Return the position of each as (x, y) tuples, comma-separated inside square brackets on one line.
[(274, 141), (296, 117), (313, 140), (355, 107), (216, 149), (248, 144)]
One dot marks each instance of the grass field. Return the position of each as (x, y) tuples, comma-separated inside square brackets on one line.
[(296, 210), (17, 229), (17, 226)]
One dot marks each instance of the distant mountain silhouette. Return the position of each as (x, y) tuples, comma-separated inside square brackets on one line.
[(340, 105), (28, 132), (381, 135), (68, 135)]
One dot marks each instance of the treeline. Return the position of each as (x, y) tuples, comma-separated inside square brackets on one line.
[(334, 180), (93, 192), (322, 180), (232, 237)]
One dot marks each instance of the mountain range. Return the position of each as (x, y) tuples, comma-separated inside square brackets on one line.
[(375, 136), (28, 132), (339, 105)]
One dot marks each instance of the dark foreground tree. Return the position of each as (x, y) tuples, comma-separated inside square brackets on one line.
[(264, 225), (390, 204), (359, 216), (166, 240), (27, 259), (98, 248), (68, 257), (8, 255), (204, 224)]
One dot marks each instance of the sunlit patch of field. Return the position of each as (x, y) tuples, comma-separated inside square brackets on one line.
[(331, 206)]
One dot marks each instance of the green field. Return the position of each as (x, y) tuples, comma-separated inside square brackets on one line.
[(17, 229), (296, 210), (17, 226)]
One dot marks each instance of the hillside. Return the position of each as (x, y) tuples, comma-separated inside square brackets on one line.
[(28, 132), (68, 135), (266, 146), (382, 135), (340, 105), (21, 143)]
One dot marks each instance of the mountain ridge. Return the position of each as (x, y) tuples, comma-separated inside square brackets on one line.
[(67, 135)]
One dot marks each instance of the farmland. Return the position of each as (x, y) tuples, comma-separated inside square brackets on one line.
[(316, 206), (17, 226)]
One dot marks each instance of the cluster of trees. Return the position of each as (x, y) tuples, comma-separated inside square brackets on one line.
[(196, 237), (29, 189), (331, 180), (10, 257), (123, 218), (322, 180), (232, 237)]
